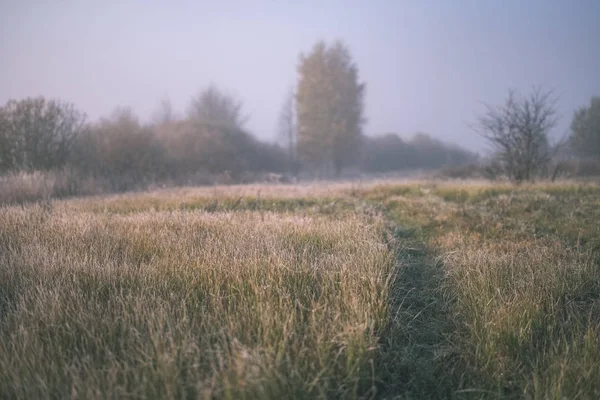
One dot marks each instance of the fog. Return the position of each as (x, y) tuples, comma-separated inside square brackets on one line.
[(427, 67)]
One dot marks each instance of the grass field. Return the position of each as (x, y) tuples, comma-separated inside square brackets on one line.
[(383, 290)]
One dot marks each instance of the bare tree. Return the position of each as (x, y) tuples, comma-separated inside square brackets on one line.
[(518, 132), (287, 127)]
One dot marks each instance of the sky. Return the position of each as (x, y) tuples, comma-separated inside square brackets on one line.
[(428, 65)]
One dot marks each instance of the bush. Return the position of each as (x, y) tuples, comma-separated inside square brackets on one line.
[(121, 151), (191, 147), (37, 134)]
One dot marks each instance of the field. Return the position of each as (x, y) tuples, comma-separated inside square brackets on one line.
[(381, 290)]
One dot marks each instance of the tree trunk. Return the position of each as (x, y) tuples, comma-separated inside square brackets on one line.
[(338, 169)]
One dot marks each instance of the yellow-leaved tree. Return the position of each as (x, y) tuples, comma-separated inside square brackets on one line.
[(329, 102)]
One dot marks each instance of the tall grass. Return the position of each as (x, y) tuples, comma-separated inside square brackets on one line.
[(386, 290), (184, 304), (24, 187), (521, 286)]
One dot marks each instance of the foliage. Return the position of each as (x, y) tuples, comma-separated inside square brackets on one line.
[(164, 113), (329, 103), (193, 146), (37, 134), (122, 150), (585, 130), (216, 108), (391, 153)]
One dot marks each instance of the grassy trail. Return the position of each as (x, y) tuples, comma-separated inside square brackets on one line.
[(420, 290), (499, 288)]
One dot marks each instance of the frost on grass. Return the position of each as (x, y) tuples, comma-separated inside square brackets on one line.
[(176, 304)]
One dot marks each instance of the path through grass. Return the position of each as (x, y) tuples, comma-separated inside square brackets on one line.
[(418, 290)]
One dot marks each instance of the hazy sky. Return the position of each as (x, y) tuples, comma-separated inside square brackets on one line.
[(427, 64)]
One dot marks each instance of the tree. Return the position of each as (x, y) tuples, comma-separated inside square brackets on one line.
[(37, 134), (121, 150), (287, 127), (6, 143), (216, 108), (518, 132), (164, 113), (585, 130), (329, 103)]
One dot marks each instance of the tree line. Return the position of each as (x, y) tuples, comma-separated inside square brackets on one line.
[(40, 135), (320, 135)]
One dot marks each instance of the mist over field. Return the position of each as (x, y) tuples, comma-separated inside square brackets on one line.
[(332, 200), (427, 66)]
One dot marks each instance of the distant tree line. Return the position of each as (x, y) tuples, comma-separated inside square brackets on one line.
[(320, 135), (40, 135), (210, 141), (391, 153)]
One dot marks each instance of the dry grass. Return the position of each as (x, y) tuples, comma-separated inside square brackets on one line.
[(518, 274), (411, 290), (188, 304), (25, 187)]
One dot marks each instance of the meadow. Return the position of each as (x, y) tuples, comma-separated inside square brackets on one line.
[(384, 290)]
